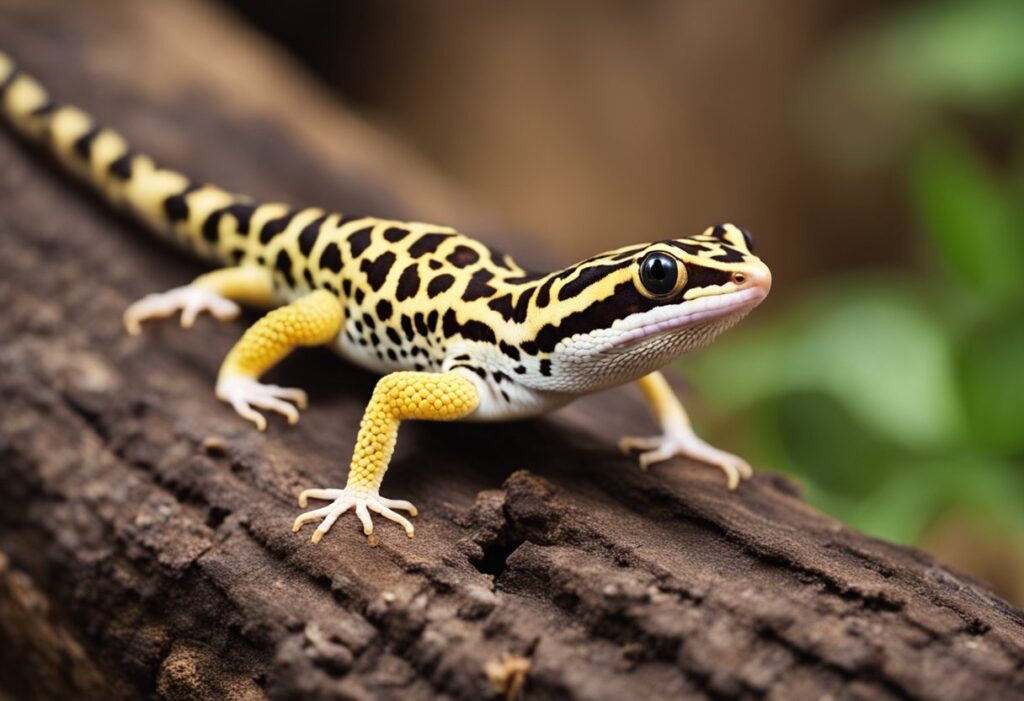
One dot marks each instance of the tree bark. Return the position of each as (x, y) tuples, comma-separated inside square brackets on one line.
[(145, 541)]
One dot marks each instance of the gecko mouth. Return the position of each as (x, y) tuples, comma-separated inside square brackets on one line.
[(662, 320)]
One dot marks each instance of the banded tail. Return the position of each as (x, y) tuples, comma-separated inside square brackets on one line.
[(205, 219)]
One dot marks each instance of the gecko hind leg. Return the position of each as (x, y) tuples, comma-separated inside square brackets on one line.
[(312, 320), (218, 292)]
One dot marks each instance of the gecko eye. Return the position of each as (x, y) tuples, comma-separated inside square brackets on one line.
[(661, 275), (748, 238)]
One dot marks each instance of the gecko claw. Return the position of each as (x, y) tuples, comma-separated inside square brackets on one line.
[(363, 501), (657, 449), (190, 300), (243, 393)]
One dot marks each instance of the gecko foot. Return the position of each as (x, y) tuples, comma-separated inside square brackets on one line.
[(190, 300), (686, 444), (362, 500), (243, 393)]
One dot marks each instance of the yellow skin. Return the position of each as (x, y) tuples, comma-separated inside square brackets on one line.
[(458, 330)]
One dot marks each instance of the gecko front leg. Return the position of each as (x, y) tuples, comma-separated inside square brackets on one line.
[(444, 396), (677, 436)]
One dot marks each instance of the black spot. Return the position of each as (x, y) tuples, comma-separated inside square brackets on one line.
[(374, 339), (482, 373), (408, 283), (274, 227), (368, 320), (699, 276), (122, 167), (330, 258), (394, 234), (359, 241), (629, 253), (525, 277), (719, 231), (346, 287), (694, 249), (359, 326), (427, 243), (523, 305), (330, 288), (502, 305), (545, 368), (211, 227), (544, 294), (363, 342), (463, 256), (407, 327), (729, 255), (586, 278), (504, 395), (359, 296), (47, 108), (284, 264), (528, 347), (176, 206), (309, 278), (520, 369), (435, 264), (510, 351), (500, 377), (394, 337), (377, 270), (260, 260), (432, 319), (237, 254), (83, 144), (472, 330), (478, 286), (391, 354), (462, 356), (309, 235), (439, 284), (419, 367), (384, 310), (421, 324), (242, 212)]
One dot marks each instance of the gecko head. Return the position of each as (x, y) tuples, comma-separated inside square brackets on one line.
[(631, 311)]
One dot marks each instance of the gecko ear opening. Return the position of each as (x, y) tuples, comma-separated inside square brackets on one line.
[(660, 275)]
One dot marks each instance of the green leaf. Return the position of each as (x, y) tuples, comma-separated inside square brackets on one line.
[(991, 371), (967, 53), (870, 344), (965, 211)]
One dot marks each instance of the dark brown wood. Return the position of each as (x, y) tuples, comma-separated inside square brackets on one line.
[(145, 529)]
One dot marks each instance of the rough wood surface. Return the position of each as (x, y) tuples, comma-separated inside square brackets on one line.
[(144, 528)]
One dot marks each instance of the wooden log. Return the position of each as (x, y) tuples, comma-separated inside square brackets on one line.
[(145, 529)]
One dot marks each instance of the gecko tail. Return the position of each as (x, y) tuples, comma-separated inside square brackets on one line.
[(207, 220)]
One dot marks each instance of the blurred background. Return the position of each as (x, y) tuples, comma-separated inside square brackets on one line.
[(876, 150)]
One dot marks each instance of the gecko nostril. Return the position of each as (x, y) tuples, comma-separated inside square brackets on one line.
[(739, 278)]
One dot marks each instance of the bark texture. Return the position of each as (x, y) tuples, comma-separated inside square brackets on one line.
[(145, 543)]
